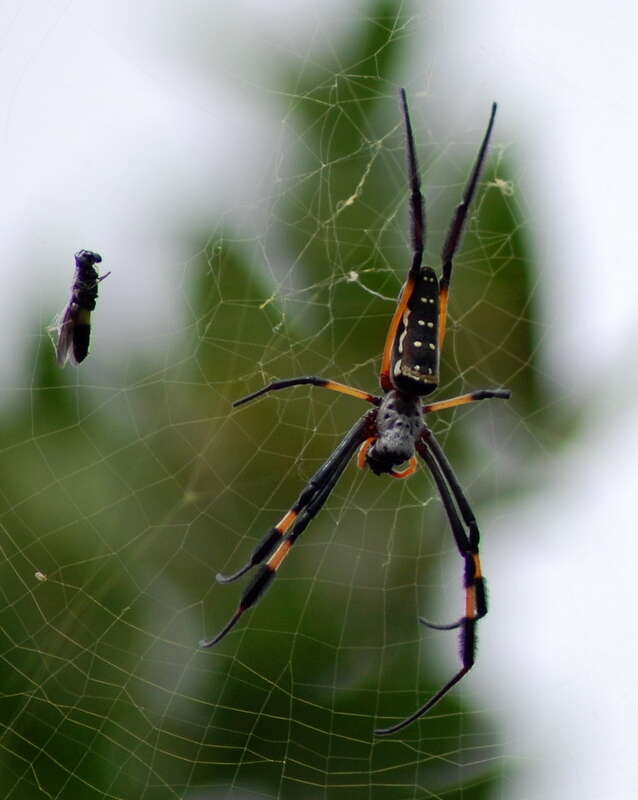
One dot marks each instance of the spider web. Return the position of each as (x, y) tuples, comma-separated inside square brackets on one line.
[(125, 493)]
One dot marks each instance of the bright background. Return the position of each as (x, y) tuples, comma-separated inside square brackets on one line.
[(135, 130)]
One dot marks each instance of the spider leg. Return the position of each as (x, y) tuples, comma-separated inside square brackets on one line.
[(363, 452), (424, 709), (417, 211), (313, 381), (268, 543), (467, 544), (305, 509), (429, 440), (472, 397), (275, 535), (405, 473), (455, 231)]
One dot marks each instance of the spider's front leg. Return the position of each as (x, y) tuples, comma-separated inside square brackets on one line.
[(296, 520), (455, 231), (310, 380)]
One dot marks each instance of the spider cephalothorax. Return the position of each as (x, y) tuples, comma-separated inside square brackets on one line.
[(389, 434), (399, 424)]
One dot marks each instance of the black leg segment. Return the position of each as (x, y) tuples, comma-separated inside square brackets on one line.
[(467, 543), (417, 211), (297, 519), (310, 380)]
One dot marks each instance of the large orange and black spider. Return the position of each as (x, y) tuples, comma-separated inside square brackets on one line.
[(389, 434)]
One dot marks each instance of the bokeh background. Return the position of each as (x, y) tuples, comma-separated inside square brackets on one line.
[(241, 170)]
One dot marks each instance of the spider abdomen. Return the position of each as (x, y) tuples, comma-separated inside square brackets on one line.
[(415, 353)]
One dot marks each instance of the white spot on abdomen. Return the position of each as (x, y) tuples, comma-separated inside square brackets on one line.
[(406, 316)]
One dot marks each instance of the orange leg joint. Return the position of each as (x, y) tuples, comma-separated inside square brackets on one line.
[(363, 452), (409, 470), (286, 521), (470, 602), (274, 562)]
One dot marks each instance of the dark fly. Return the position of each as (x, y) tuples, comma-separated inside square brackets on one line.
[(74, 325)]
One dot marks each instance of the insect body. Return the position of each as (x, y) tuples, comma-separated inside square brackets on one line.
[(74, 327), (394, 430)]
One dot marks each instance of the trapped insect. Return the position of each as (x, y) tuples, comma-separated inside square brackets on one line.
[(389, 434), (74, 325)]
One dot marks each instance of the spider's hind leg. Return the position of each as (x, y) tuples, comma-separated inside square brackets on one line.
[(474, 584), (278, 542), (265, 547)]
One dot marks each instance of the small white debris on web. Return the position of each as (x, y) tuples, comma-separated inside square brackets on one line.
[(506, 188), (41, 576), (352, 276), (267, 302)]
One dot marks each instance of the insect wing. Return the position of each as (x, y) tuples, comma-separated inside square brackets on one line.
[(65, 334)]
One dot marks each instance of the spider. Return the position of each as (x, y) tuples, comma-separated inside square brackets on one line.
[(388, 434)]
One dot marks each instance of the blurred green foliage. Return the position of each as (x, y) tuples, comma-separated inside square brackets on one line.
[(131, 498)]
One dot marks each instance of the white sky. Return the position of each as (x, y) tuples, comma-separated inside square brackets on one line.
[(173, 153), (558, 660)]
